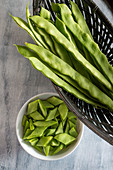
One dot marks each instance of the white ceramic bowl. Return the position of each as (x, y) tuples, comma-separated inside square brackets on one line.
[(30, 149)]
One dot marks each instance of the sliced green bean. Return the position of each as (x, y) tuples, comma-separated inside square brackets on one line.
[(27, 133), (63, 110), (54, 142), (24, 119), (42, 107), (51, 114), (33, 141), (59, 129), (50, 132), (32, 106), (71, 115), (54, 100), (36, 116), (37, 132), (46, 150), (67, 127), (31, 124), (64, 138), (45, 123), (98, 57), (57, 149), (60, 38), (39, 148), (27, 125), (44, 141), (47, 104), (71, 124), (73, 132)]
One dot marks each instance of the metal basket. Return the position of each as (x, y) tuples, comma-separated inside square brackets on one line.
[(99, 121)]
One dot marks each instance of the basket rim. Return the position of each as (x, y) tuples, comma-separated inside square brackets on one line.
[(101, 14)]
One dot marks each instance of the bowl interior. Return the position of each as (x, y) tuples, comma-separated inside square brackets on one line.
[(30, 149)]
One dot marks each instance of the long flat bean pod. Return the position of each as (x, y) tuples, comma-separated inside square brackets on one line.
[(24, 25), (37, 64), (64, 30), (64, 68), (36, 34), (61, 39), (52, 76), (98, 57), (79, 18)]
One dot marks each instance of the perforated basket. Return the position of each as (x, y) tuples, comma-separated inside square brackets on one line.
[(99, 121)]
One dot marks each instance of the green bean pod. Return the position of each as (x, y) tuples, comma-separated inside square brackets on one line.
[(47, 39), (61, 39), (64, 68), (63, 29), (98, 57), (24, 25), (36, 34), (37, 64), (45, 13), (79, 18)]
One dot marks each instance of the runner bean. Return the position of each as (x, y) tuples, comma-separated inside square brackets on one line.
[(98, 57), (61, 39)]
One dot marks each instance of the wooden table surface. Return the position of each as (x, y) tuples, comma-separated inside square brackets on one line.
[(18, 82)]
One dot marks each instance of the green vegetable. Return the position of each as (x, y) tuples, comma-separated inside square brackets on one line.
[(42, 108), (50, 132), (43, 134), (98, 57), (59, 129), (38, 132), (33, 141), (47, 104), (73, 132), (45, 13), (45, 123), (79, 18), (35, 33), (32, 107), (36, 116), (24, 120), (54, 100), (57, 149), (51, 114), (61, 39), (48, 73), (63, 110), (65, 138), (24, 25), (46, 150), (81, 81), (31, 124), (44, 141), (27, 133)]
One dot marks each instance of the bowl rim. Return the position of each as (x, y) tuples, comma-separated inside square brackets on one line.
[(38, 154)]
